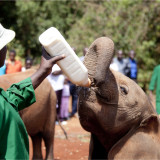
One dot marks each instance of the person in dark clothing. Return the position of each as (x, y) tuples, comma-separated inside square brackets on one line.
[(73, 93), (132, 74), (121, 62)]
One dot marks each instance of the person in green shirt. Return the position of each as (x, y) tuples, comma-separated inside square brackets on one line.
[(14, 143), (155, 83)]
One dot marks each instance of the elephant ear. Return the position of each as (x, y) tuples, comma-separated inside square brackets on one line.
[(151, 122), (98, 59)]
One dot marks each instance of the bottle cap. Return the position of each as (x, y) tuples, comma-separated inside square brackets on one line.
[(88, 84)]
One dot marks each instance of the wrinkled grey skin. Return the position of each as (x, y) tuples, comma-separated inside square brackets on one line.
[(40, 117), (122, 121)]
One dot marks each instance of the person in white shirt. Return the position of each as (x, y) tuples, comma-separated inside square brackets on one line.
[(114, 66), (56, 78), (64, 112)]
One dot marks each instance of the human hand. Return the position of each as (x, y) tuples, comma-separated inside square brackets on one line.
[(45, 68), (47, 61)]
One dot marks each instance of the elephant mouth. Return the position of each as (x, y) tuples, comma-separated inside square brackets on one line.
[(87, 94), (83, 91), (80, 89)]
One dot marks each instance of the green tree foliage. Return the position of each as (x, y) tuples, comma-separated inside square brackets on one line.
[(7, 13), (131, 24), (30, 18), (36, 16)]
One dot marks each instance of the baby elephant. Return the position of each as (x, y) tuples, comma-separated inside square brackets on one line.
[(122, 121)]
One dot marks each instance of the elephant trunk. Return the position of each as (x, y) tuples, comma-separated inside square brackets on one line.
[(98, 59)]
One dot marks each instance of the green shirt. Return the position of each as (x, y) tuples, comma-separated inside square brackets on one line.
[(155, 81), (14, 142)]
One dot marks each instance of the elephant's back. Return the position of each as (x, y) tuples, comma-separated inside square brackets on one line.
[(8, 79)]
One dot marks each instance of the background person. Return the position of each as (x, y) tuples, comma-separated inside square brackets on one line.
[(13, 65), (114, 66), (28, 64), (73, 93), (56, 79), (132, 74), (3, 70), (65, 102), (155, 84), (121, 63)]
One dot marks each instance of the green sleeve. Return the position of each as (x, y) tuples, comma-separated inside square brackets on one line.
[(153, 79), (21, 95)]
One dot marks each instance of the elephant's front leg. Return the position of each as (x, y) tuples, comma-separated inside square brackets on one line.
[(49, 141), (37, 140)]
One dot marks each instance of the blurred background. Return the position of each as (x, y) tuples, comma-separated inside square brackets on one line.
[(131, 24)]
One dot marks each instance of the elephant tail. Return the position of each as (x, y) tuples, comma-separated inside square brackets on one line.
[(65, 133)]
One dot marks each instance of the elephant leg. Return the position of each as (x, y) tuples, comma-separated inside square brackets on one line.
[(48, 139), (37, 152)]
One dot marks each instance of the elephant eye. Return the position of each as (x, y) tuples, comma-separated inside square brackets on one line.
[(124, 90)]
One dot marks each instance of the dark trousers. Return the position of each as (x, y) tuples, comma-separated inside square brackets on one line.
[(74, 95), (59, 97)]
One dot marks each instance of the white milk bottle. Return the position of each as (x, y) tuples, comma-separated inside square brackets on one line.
[(71, 65)]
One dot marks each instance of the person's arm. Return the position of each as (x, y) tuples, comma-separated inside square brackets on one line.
[(153, 79), (45, 68), (21, 95)]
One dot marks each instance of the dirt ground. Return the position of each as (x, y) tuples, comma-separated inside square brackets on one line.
[(76, 147)]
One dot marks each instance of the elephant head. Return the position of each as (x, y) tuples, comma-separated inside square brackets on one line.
[(114, 104)]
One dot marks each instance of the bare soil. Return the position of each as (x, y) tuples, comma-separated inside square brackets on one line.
[(76, 147)]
